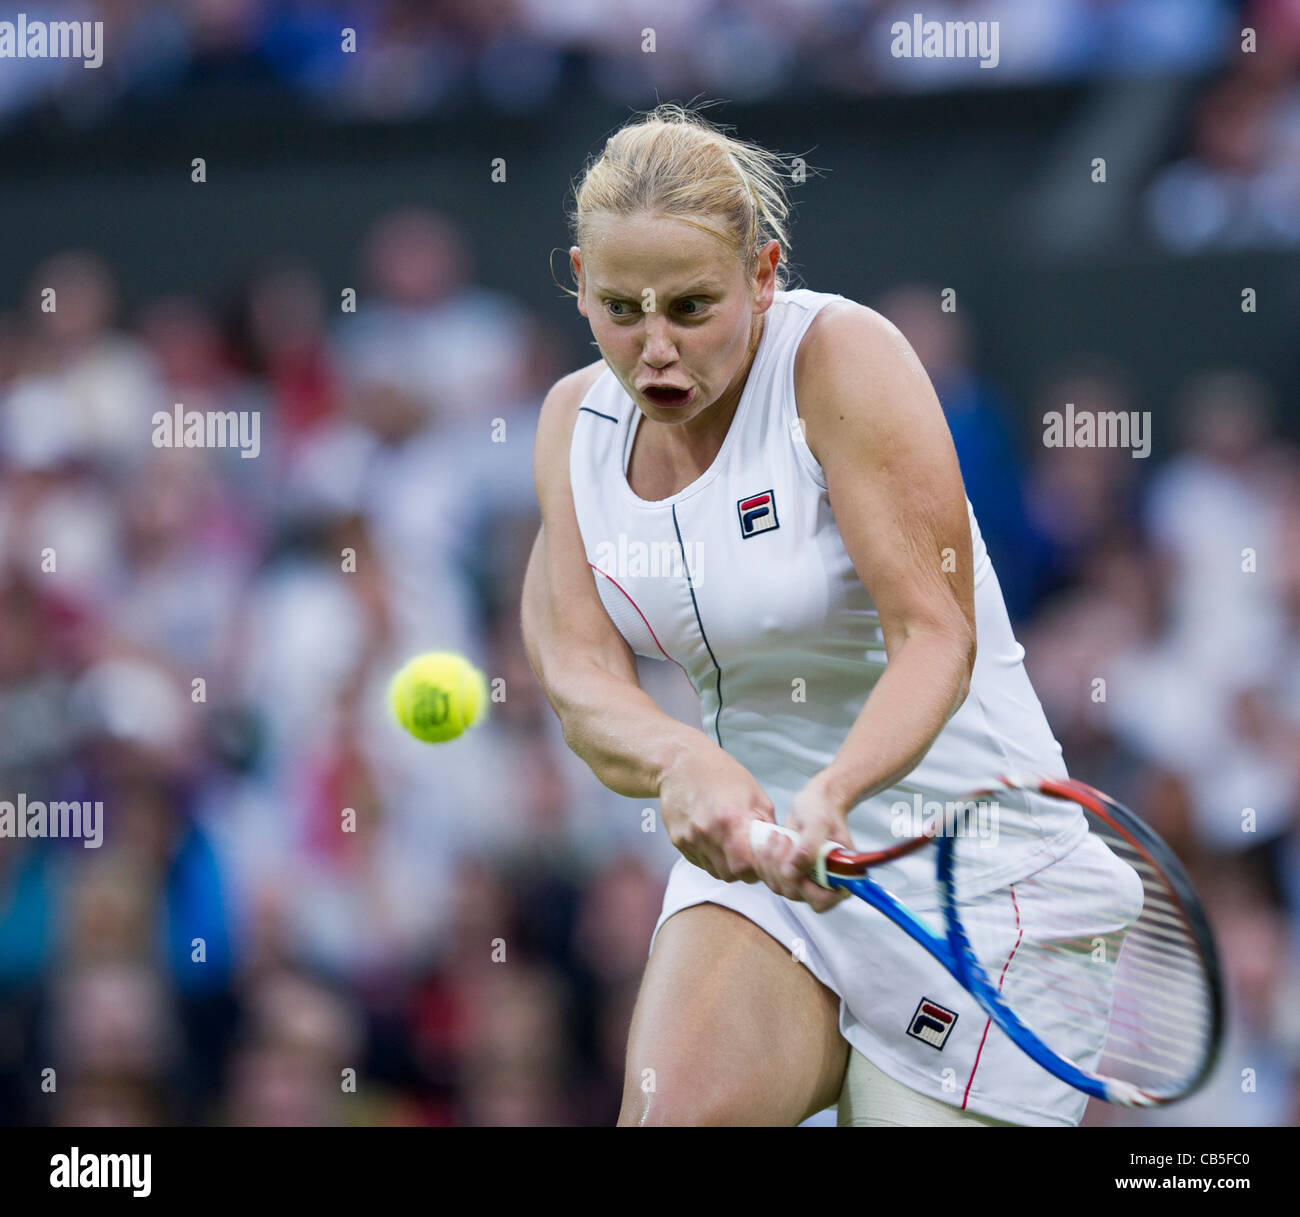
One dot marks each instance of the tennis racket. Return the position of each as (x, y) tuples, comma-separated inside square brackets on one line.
[(1100, 966)]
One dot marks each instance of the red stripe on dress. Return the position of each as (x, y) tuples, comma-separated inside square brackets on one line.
[(640, 614), (1019, 937)]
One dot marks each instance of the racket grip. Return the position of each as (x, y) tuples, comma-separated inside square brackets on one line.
[(760, 831)]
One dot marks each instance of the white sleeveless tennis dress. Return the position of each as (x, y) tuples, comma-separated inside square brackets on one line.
[(742, 580)]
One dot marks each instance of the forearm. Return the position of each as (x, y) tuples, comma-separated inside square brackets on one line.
[(618, 730), (923, 685)]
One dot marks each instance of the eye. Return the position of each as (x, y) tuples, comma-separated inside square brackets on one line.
[(692, 306), (619, 308)]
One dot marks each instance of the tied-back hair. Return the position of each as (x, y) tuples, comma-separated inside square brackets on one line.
[(672, 161)]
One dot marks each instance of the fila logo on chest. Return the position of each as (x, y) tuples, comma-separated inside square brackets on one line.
[(757, 514)]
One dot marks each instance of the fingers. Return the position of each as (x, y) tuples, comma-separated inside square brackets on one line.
[(777, 863), (773, 863), (818, 898), (813, 836), (702, 862), (725, 854), (781, 863), (739, 855)]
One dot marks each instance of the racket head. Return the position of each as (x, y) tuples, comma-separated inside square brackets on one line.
[(1105, 956)]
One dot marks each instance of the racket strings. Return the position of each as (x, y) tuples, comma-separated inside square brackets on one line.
[(1096, 955)]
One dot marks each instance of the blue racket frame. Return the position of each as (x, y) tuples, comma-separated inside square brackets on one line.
[(953, 948), (954, 952)]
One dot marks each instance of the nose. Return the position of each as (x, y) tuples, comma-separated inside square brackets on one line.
[(658, 349)]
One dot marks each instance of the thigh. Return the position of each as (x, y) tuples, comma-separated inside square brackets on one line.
[(729, 1029)]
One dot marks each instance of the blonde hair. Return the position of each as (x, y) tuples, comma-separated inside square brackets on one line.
[(672, 161)]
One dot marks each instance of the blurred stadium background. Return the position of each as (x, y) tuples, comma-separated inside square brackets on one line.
[(379, 430)]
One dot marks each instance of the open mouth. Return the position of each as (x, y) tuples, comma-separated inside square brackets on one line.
[(666, 395)]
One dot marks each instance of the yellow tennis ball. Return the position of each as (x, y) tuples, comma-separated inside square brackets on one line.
[(437, 695)]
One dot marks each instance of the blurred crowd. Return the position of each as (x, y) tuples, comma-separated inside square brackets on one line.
[(1233, 181), (414, 56), (202, 641)]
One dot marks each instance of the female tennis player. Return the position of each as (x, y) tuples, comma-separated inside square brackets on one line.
[(828, 591)]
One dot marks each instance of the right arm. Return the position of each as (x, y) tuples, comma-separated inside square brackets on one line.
[(588, 673)]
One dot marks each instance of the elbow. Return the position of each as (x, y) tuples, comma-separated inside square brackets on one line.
[(568, 700), (562, 703), (542, 671), (575, 736), (967, 648)]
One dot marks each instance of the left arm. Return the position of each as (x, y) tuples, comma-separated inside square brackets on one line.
[(873, 422)]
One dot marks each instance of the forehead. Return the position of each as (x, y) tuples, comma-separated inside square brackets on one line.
[(631, 253)]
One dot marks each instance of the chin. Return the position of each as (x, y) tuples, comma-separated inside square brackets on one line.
[(680, 416)]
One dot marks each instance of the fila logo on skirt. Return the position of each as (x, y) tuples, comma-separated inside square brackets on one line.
[(932, 1023)]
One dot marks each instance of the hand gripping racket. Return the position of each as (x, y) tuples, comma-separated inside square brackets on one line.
[(1101, 966)]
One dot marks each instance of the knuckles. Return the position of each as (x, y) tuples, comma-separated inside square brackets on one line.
[(722, 836)]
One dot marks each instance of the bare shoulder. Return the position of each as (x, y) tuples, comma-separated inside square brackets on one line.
[(573, 387), (843, 335), (559, 409), (566, 394), (855, 367)]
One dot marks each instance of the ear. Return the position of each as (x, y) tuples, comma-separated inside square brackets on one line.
[(575, 262), (769, 258)]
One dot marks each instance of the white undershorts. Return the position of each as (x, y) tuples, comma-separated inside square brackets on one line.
[(872, 1099)]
